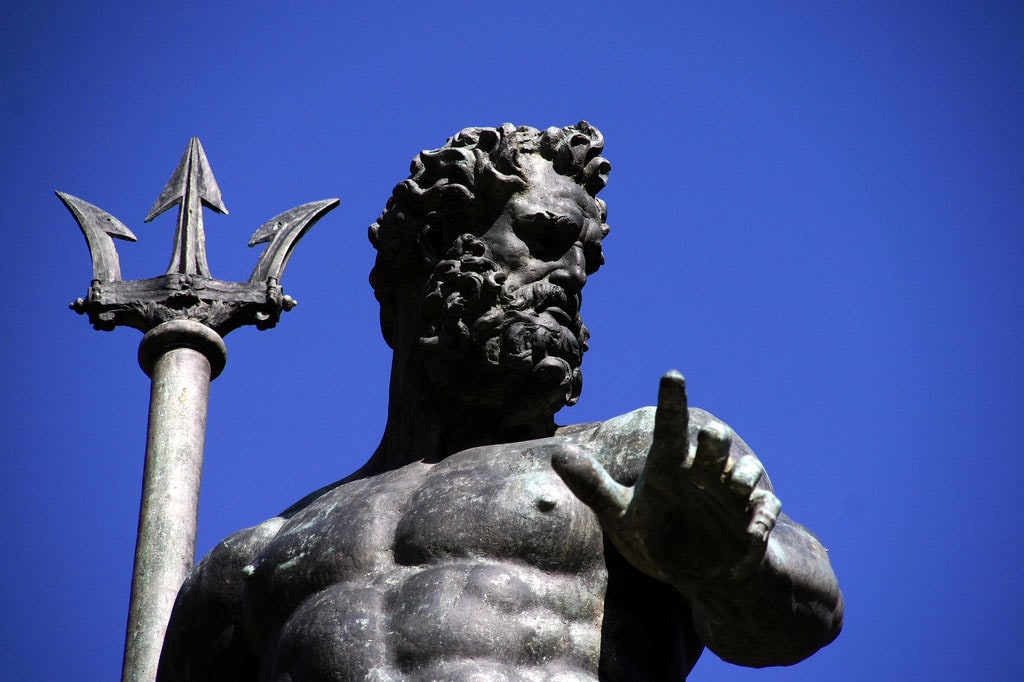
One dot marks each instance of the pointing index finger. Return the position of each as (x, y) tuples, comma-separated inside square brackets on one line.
[(671, 423)]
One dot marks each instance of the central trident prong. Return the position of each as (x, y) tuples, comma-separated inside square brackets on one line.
[(191, 187)]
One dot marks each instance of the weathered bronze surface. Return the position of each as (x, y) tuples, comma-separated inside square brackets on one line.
[(480, 541), (184, 315)]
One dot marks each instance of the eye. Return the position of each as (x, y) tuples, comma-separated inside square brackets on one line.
[(593, 255), (547, 236)]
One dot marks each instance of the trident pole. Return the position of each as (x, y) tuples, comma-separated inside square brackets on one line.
[(184, 315), (181, 357)]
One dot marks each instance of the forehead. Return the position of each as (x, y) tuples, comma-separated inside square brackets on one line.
[(548, 191)]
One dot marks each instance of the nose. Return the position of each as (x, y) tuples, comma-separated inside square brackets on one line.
[(571, 273)]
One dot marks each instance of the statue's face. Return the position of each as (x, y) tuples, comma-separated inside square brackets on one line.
[(549, 232), (503, 329)]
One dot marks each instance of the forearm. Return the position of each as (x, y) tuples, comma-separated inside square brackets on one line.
[(783, 612)]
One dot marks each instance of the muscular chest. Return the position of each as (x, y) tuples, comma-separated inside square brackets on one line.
[(501, 503)]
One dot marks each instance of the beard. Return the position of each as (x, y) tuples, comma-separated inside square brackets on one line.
[(487, 345)]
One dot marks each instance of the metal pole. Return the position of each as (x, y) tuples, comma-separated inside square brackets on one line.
[(181, 357)]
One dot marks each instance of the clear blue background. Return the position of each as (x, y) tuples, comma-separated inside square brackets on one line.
[(816, 215)]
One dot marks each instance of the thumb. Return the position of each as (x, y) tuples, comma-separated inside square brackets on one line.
[(590, 482)]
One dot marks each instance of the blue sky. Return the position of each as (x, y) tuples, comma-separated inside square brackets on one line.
[(816, 216)]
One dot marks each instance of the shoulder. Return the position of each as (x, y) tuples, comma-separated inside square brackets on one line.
[(223, 569), (204, 636)]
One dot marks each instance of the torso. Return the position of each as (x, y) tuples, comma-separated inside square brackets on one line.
[(483, 566)]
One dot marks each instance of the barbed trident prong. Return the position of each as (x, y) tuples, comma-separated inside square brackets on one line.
[(184, 315), (192, 186)]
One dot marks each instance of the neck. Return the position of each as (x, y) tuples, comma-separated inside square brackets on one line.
[(424, 425)]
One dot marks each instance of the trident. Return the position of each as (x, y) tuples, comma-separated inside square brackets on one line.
[(184, 315)]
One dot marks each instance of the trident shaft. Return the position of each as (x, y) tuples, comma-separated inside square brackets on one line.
[(184, 315)]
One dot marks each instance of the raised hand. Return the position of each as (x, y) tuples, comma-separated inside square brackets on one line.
[(697, 515)]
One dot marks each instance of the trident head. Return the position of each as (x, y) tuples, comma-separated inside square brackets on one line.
[(187, 291)]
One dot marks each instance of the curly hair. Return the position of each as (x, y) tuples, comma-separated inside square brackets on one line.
[(460, 189)]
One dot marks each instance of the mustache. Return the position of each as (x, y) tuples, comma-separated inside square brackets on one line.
[(524, 304), (544, 296)]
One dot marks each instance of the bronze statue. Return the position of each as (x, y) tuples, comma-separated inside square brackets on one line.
[(481, 541)]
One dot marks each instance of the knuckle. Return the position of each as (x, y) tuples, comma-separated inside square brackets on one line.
[(745, 475), (716, 433)]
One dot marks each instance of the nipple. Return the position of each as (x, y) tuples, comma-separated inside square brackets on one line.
[(545, 504)]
